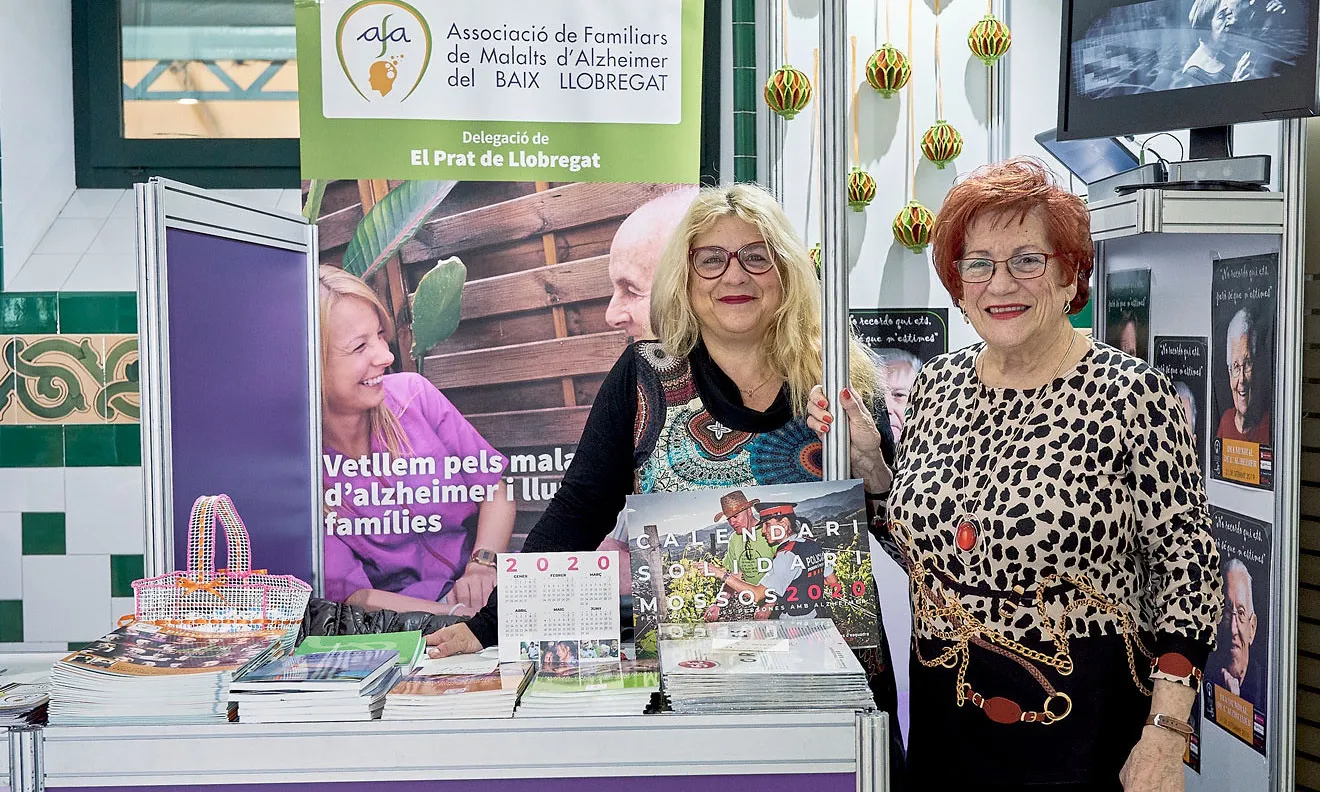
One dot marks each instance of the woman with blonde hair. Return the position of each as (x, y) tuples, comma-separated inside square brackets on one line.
[(720, 400), (403, 554)]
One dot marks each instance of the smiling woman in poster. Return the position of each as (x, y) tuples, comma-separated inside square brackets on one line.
[(1049, 508), (402, 471)]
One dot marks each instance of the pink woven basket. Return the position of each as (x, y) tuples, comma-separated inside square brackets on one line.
[(235, 599)]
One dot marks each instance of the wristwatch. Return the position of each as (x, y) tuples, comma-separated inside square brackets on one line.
[(1169, 723), (483, 556)]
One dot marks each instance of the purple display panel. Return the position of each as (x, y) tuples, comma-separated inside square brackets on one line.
[(240, 384), (826, 782)]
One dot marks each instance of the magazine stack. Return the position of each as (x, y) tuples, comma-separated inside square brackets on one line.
[(330, 686), (148, 674), (611, 688), (445, 696), (23, 704), (760, 666)]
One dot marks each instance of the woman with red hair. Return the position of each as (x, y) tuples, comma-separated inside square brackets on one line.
[(1049, 509)]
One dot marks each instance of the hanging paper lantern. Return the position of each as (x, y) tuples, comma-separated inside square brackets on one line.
[(815, 254), (787, 91), (861, 189), (912, 226), (989, 39), (941, 144), (888, 70)]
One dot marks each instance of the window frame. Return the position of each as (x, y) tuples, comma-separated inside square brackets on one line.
[(106, 160)]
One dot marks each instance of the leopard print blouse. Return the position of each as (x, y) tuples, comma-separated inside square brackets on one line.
[(1083, 503)]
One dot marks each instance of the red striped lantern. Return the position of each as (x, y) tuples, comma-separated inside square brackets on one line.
[(912, 226), (989, 39), (788, 91), (941, 144), (888, 70), (861, 189)]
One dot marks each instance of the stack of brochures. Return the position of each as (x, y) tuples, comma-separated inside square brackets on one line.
[(442, 696), (147, 674), (23, 704), (610, 688), (330, 686), (760, 666)]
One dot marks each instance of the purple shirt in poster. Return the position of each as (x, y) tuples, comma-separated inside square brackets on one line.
[(395, 523)]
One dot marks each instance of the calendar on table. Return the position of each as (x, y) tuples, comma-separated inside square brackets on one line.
[(558, 609)]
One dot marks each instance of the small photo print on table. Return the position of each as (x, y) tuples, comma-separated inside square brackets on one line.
[(1236, 685), (1127, 312), (1186, 361), (1242, 310)]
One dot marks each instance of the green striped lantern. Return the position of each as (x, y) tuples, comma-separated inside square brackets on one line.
[(942, 143), (912, 226), (989, 39), (861, 189), (788, 91), (888, 70), (815, 254)]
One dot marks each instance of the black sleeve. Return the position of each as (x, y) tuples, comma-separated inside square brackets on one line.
[(889, 450), (600, 477), (879, 413)]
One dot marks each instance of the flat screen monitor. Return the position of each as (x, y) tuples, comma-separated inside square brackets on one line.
[(1130, 67), (1091, 159)]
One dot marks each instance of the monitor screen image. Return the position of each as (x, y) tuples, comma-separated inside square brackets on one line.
[(1152, 65), (1166, 45)]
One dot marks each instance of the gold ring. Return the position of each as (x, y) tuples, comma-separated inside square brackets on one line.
[(1067, 707)]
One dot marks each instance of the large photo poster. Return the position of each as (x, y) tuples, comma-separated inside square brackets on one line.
[(1236, 685), (1242, 310), (903, 340), (754, 553), (1185, 361), (1127, 312), (492, 184)]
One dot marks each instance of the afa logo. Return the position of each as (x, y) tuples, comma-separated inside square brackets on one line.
[(384, 48)]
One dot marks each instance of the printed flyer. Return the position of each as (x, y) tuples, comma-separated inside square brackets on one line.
[(1127, 312), (764, 552), (1185, 361), (903, 340), (492, 184), (1242, 309), (1235, 691)]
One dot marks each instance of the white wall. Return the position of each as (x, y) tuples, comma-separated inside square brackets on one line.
[(36, 122)]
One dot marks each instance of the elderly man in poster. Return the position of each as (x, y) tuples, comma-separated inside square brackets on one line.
[(1248, 419), (1242, 623), (636, 247)]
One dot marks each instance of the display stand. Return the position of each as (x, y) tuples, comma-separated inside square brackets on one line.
[(1177, 235), (832, 752)]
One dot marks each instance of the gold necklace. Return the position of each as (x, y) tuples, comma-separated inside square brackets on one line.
[(749, 392)]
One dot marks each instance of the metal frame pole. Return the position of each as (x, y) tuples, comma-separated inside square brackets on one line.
[(1287, 454), (834, 248)]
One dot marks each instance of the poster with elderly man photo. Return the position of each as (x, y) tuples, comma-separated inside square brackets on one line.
[(1127, 312), (1235, 688), (903, 340), (1185, 361), (1242, 307)]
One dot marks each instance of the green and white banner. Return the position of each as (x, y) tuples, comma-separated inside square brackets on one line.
[(493, 183), (509, 90)]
